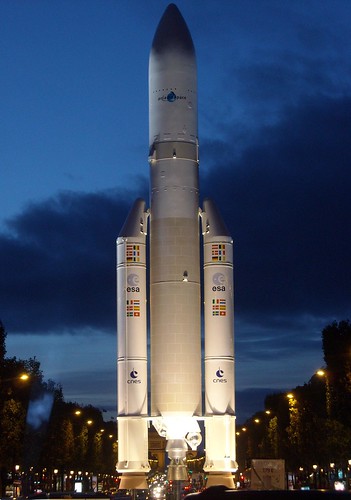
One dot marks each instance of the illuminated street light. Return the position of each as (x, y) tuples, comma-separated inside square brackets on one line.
[(257, 420), (24, 377), (290, 395), (324, 374)]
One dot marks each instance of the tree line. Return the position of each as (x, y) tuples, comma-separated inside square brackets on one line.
[(309, 427), (40, 432)]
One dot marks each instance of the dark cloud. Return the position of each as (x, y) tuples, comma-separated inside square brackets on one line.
[(58, 263), (286, 200), (303, 55), (273, 82)]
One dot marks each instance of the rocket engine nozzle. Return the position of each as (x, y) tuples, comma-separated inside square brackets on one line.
[(177, 471)]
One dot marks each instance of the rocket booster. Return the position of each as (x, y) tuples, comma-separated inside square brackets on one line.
[(174, 223), (132, 349)]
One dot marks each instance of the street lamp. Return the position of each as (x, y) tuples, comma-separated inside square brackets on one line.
[(322, 373), (23, 376)]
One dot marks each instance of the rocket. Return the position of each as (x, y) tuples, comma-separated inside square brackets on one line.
[(159, 282)]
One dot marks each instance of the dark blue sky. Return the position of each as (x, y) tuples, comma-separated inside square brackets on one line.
[(274, 125)]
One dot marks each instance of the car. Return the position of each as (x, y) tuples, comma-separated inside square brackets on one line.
[(223, 493)]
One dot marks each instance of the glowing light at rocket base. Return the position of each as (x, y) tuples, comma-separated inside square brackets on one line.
[(171, 229)]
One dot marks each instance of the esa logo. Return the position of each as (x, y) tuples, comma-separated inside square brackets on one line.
[(133, 283), (220, 379), (134, 378), (218, 280)]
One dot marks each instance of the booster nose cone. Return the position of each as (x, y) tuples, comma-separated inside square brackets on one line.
[(214, 223), (172, 33)]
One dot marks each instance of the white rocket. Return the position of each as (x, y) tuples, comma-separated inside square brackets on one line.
[(168, 302)]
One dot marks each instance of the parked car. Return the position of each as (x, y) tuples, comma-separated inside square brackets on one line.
[(222, 493)]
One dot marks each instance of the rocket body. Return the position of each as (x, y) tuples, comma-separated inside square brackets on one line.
[(172, 298), (175, 335)]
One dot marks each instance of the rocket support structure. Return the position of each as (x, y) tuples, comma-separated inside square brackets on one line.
[(174, 223)]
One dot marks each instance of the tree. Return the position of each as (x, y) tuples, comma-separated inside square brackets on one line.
[(50, 439), (3, 336), (13, 423), (336, 339), (14, 397)]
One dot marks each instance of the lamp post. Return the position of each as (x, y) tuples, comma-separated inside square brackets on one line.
[(315, 475), (22, 377), (324, 374)]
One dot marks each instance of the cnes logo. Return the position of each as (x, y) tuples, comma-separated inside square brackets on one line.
[(134, 378), (220, 378)]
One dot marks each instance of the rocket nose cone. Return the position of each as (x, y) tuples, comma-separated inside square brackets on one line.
[(172, 33)]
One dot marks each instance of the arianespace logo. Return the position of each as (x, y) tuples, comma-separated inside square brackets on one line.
[(220, 377), (171, 97), (134, 377)]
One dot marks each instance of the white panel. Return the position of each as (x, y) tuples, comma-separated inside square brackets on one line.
[(220, 444), (219, 326), (132, 445)]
